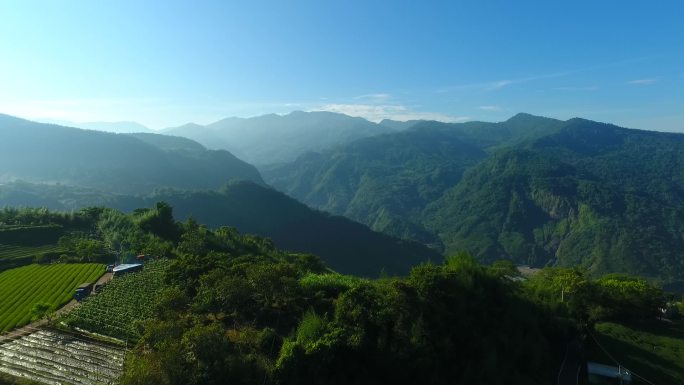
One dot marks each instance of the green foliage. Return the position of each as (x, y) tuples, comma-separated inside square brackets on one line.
[(310, 329), (443, 324), (41, 310), (611, 297), (21, 289), (158, 221), (251, 313), (122, 304), (652, 349), (328, 284)]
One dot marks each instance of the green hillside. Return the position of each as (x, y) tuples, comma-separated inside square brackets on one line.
[(652, 349), (531, 189), (345, 245), (383, 181), (591, 194), (122, 163)]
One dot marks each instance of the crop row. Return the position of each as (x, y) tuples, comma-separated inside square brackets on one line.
[(14, 251), (122, 303), (54, 358), (22, 288)]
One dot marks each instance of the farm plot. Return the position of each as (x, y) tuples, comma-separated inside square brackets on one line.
[(18, 255), (9, 252), (56, 358), (22, 288), (123, 302)]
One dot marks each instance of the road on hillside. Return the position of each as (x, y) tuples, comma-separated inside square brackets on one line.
[(569, 373)]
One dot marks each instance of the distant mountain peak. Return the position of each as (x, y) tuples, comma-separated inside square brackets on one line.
[(270, 139), (524, 116)]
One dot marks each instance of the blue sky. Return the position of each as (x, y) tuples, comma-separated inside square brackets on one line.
[(165, 63)]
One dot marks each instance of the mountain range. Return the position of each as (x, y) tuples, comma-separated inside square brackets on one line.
[(123, 163), (271, 139), (114, 127), (530, 189)]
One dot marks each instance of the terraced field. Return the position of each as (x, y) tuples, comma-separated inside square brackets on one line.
[(22, 288), (56, 358), (125, 300), (11, 252)]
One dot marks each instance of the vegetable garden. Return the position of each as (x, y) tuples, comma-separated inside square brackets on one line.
[(55, 358), (22, 288), (124, 301)]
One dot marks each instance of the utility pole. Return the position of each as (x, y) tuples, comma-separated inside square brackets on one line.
[(620, 373)]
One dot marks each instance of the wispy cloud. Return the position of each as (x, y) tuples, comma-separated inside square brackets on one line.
[(500, 84), (374, 98), (577, 88), (491, 108), (376, 113), (496, 85), (643, 82), (503, 83)]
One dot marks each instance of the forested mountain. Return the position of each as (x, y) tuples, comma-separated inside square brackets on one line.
[(46, 153), (384, 181), (399, 125), (270, 139), (531, 189), (170, 143), (346, 246)]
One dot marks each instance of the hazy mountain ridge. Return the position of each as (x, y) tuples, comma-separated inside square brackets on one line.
[(271, 139), (45, 153), (113, 127)]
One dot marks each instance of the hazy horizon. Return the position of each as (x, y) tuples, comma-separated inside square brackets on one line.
[(163, 67), (84, 124)]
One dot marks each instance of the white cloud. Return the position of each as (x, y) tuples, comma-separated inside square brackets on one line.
[(376, 113), (374, 98), (643, 82), (504, 83), (490, 108)]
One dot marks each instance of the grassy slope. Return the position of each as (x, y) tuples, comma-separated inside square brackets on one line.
[(652, 349)]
